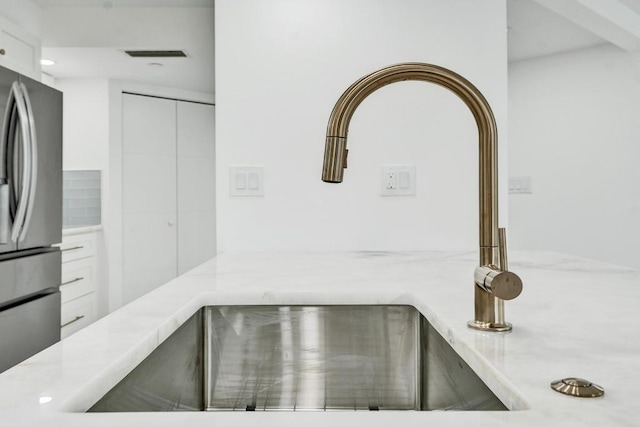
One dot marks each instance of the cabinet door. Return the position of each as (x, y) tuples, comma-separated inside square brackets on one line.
[(19, 50), (148, 194), (196, 184)]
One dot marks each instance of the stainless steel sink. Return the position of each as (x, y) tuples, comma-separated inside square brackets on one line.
[(256, 358)]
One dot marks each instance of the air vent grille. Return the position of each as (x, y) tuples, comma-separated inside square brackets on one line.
[(156, 53)]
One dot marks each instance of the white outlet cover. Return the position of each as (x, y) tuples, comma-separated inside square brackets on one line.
[(398, 180)]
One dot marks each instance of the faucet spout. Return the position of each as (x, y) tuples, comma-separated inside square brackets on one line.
[(495, 283)]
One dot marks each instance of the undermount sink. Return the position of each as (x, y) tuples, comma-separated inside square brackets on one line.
[(338, 357)]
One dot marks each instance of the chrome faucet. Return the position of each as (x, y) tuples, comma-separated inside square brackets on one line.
[(494, 283)]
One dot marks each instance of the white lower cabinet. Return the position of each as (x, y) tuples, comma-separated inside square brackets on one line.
[(77, 314), (79, 282)]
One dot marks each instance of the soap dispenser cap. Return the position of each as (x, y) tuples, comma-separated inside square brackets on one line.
[(577, 387)]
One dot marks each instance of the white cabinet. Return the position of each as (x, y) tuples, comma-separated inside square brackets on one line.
[(79, 282), (19, 50), (168, 195)]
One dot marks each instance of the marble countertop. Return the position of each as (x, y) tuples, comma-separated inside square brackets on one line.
[(73, 230), (575, 318)]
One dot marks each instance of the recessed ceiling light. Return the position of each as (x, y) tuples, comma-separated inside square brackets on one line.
[(44, 61), (155, 64)]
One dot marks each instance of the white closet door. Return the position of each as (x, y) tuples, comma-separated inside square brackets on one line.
[(149, 194), (196, 184)]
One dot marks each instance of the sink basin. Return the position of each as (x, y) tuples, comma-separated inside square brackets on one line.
[(257, 358)]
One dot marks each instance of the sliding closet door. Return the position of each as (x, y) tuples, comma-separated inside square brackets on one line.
[(148, 194)]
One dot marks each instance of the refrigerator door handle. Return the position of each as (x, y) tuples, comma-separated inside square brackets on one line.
[(32, 158), (4, 212), (26, 161), (4, 178)]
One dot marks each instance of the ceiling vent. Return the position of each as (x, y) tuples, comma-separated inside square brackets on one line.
[(156, 53)]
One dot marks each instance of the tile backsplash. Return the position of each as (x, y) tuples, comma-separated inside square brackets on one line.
[(81, 195)]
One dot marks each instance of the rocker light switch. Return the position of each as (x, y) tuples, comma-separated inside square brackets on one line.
[(520, 185), (246, 181)]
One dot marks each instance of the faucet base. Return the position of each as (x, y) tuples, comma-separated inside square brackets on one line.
[(489, 327)]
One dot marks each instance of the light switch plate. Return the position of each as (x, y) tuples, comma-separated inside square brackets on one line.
[(398, 180), (246, 181), (520, 185)]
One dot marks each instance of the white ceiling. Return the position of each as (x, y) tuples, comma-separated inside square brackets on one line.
[(87, 38), (546, 27), (535, 31), (89, 41)]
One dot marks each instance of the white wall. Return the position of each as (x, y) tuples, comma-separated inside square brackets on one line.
[(280, 67), (85, 123), (574, 123)]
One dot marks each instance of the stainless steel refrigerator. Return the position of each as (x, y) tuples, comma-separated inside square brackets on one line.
[(30, 216)]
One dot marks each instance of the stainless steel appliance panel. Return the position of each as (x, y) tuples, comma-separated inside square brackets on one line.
[(22, 277), (45, 225), (30, 216), (23, 332)]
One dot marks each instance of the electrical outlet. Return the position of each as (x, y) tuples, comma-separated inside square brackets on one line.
[(398, 180), (390, 178)]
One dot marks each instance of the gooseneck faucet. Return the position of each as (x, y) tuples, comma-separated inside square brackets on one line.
[(494, 283)]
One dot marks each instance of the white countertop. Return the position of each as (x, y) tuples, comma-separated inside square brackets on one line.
[(72, 231), (575, 317)]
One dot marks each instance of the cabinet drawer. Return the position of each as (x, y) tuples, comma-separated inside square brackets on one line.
[(78, 279), (22, 331), (77, 314), (78, 247)]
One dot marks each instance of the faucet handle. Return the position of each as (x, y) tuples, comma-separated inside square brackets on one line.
[(502, 284), (498, 280), (502, 249)]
